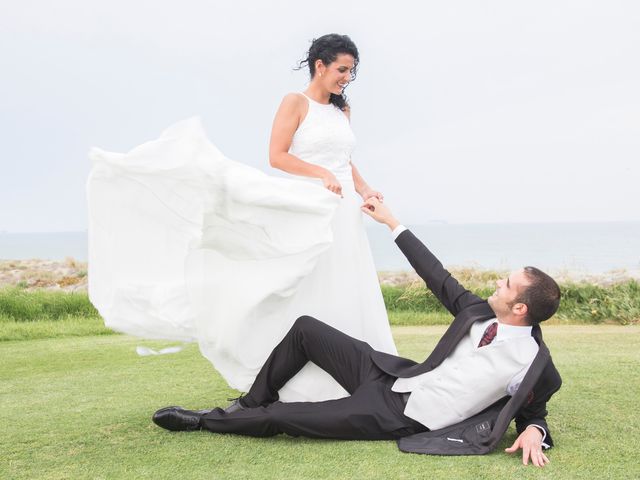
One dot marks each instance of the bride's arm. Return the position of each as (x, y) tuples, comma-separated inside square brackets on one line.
[(286, 122), (363, 189)]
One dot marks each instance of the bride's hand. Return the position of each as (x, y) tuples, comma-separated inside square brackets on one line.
[(367, 193), (331, 183)]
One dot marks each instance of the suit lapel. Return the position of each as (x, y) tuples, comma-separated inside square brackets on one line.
[(448, 342)]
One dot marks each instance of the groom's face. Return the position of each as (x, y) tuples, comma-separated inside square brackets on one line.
[(507, 291)]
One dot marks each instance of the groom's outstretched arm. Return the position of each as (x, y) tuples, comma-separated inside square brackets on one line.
[(444, 286)]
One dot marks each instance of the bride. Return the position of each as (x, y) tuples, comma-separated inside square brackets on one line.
[(186, 244)]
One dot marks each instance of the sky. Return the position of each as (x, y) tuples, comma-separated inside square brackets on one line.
[(464, 111)]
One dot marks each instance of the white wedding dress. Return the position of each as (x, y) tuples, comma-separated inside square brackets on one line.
[(185, 244)]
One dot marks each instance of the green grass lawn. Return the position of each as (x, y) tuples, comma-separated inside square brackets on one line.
[(80, 407)]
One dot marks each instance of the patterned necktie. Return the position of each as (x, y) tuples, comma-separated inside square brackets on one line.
[(489, 335)]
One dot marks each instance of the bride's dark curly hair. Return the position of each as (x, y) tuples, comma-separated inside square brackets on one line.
[(327, 48)]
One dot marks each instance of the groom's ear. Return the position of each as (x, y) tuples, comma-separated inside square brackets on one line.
[(520, 309)]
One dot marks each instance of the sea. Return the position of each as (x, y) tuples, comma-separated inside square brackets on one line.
[(582, 248)]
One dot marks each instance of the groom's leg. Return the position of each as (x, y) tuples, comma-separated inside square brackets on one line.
[(345, 358), (373, 412)]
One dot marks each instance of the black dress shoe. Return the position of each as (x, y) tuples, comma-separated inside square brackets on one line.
[(177, 419)]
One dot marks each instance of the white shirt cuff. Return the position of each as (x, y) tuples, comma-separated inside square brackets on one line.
[(543, 431), (398, 230)]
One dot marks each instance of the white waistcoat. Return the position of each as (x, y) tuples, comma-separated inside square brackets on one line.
[(468, 380)]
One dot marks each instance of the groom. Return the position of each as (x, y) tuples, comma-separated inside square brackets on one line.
[(489, 367)]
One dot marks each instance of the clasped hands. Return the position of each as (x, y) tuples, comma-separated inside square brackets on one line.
[(374, 207)]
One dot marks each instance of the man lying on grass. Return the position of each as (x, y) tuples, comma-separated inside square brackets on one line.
[(489, 367)]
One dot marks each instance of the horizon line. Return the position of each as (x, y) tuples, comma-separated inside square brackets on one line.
[(375, 225)]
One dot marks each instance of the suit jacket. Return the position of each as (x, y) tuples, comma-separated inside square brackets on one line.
[(481, 433)]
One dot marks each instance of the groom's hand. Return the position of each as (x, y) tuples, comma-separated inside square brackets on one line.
[(530, 441), (379, 212)]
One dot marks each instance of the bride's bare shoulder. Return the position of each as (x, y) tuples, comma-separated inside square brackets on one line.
[(294, 105), (295, 99)]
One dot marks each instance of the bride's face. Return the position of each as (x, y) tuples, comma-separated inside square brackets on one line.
[(337, 75)]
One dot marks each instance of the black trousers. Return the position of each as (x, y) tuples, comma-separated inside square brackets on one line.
[(371, 412)]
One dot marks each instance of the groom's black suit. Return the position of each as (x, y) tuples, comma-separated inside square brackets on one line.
[(373, 411)]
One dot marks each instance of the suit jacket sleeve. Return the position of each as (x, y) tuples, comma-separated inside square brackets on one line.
[(534, 412), (446, 288)]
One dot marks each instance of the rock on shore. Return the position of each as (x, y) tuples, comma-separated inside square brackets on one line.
[(68, 275)]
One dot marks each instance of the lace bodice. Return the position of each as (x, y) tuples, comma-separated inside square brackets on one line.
[(325, 138)]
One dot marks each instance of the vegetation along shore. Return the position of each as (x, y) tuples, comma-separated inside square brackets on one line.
[(44, 299)]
